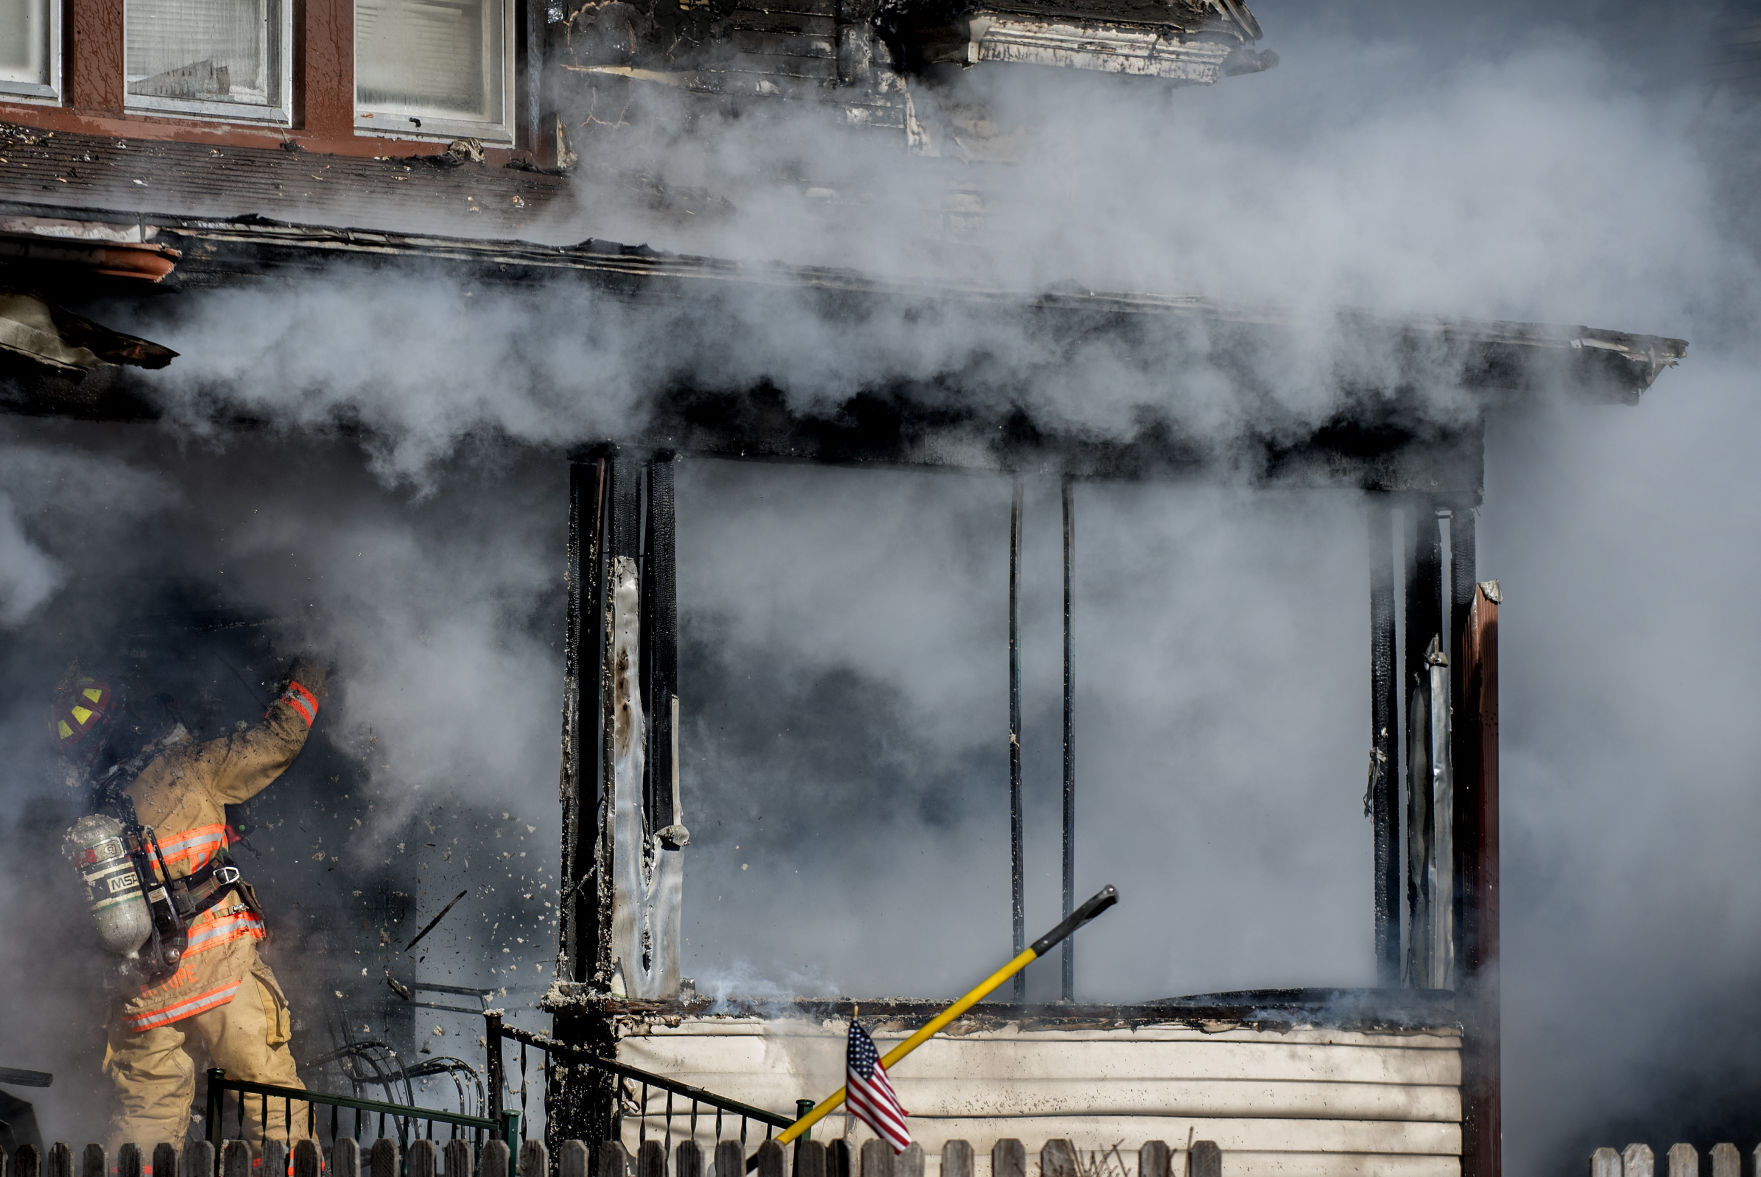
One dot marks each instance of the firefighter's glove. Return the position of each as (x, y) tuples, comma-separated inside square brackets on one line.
[(305, 688)]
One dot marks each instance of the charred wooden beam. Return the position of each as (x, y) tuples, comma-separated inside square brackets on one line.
[(1477, 816), (1382, 795), (660, 646), (1423, 625), (585, 934), (1069, 505), (579, 1100), (622, 840), (621, 665), (1463, 588), (1017, 863)]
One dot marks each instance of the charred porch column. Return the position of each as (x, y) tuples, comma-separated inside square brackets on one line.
[(1382, 795), (1462, 590), (584, 951), (1421, 648), (621, 821), (579, 1101), (623, 833), (1017, 883), (1069, 503), (1476, 777)]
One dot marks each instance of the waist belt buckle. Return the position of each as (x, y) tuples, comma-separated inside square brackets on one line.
[(226, 876)]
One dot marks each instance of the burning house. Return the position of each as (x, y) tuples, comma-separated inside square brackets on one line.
[(163, 163)]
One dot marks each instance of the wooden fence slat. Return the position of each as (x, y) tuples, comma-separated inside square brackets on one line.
[(809, 1159), (1206, 1159), (534, 1158), (5, 1164), (199, 1160), (877, 1159), (495, 1159), (910, 1162), (422, 1159), (1604, 1162), (1726, 1161), (28, 1162), (305, 1159), (345, 1157), (838, 1162), (614, 1159), (1057, 1158), (730, 1159), (771, 1159), (165, 1159), (957, 1158), (1638, 1161), (382, 1161), (275, 1158), (1155, 1159), (688, 1159), (1683, 1160), (1008, 1158), (60, 1161), (651, 1159), (235, 1160), (457, 1156), (95, 1162), (571, 1159), (128, 1161)]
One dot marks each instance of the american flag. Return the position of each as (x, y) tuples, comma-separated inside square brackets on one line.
[(869, 1094)]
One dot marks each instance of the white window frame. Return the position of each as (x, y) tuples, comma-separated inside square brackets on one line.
[(279, 111), (390, 122), (38, 92)]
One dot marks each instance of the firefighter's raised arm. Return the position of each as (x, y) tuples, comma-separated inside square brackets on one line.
[(245, 763)]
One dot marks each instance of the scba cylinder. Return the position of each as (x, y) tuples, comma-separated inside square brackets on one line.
[(113, 890)]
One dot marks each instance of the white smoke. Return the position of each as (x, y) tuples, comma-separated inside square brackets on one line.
[(1417, 171), (28, 575)]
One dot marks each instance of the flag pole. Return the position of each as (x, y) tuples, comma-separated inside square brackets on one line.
[(1104, 898)]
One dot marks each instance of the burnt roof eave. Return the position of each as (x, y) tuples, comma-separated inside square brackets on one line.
[(1392, 451), (1621, 364), (1644, 356)]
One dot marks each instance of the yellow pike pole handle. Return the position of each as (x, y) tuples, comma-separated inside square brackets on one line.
[(1103, 899)]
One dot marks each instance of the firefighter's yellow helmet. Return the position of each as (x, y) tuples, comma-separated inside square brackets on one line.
[(80, 711)]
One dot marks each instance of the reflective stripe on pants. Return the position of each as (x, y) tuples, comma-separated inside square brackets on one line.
[(154, 1072)]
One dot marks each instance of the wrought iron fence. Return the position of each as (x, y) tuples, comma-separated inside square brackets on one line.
[(403, 1122), (682, 1101)]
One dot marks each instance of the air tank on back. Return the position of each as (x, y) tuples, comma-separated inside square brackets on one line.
[(113, 890)]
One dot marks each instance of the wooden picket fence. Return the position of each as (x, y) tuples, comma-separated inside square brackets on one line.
[(459, 1158), (1682, 1160)]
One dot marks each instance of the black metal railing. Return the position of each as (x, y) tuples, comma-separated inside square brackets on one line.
[(695, 1099), (406, 1122)]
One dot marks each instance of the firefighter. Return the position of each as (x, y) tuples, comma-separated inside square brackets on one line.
[(217, 997)]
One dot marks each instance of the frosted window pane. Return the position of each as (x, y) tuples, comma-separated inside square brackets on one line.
[(201, 50), (434, 58), (24, 41)]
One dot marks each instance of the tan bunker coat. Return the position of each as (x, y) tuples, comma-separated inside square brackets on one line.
[(222, 996)]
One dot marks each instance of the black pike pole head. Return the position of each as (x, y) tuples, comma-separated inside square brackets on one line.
[(1101, 900)]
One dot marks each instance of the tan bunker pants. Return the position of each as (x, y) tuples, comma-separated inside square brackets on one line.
[(154, 1071)]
